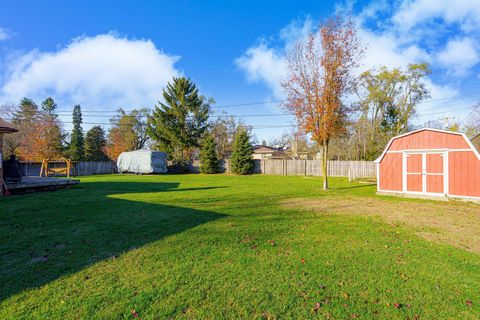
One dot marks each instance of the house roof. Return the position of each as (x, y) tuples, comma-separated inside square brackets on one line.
[(6, 127), (469, 142), (263, 149)]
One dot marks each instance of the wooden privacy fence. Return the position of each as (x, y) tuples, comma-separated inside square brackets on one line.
[(352, 169), (82, 168)]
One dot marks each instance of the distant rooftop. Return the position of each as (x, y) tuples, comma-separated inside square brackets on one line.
[(6, 127)]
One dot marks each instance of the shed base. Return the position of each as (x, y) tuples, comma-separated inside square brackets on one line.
[(415, 196), (427, 197)]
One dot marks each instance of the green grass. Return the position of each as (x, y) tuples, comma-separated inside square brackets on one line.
[(195, 246)]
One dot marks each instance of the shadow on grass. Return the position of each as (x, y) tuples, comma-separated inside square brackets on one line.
[(367, 185), (46, 236)]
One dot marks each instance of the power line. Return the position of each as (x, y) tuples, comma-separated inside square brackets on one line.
[(213, 107), (474, 109), (212, 116), (113, 112), (266, 126)]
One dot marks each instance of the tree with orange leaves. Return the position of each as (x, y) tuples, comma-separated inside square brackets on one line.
[(46, 140), (319, 74), (40, 135)]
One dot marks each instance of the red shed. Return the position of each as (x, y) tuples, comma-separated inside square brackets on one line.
[(430, 162)]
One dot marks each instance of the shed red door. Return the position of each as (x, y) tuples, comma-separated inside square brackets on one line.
[(425, 173), (434, 173), (414, 172)]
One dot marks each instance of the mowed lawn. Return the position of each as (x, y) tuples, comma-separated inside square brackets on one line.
[(231, 247)]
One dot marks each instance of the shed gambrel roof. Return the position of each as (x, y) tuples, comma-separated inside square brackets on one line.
[(474, 149)]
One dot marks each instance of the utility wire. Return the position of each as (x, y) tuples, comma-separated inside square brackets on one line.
[(474, 109), (114, 112)]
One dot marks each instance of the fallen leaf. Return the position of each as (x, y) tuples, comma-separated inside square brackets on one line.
[(267, 315)]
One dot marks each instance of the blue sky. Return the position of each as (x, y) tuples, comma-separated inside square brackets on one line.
[(110, 54)]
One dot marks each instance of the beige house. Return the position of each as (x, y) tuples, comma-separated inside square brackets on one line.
[(5, 128), (266, 152)]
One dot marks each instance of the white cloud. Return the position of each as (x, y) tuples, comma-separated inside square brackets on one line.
[(263, 64), (105, 71), (4, 34), (466, 13), (459, 55), (384, 49)]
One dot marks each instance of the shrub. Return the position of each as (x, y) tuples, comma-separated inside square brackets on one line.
[(208, 156), (242, 161), (179, 166)]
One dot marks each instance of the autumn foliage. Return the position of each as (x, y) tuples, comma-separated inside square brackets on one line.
[(45, 142), (37, 140), (319, 73), (117, 143)]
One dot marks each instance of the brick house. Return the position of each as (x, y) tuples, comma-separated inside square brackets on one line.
[(5, 128)]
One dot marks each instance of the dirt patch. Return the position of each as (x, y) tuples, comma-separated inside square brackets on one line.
[(453, 223)]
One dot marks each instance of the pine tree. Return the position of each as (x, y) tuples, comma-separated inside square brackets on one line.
[(76, 142), (177, 125), (95, 143), (242, 161), (27, 112), (208, 156), (49, 106)]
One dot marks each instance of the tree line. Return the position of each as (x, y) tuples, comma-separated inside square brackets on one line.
[(180, 126)]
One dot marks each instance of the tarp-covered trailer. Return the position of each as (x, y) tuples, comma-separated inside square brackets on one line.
[(142, 161), (430, 162)]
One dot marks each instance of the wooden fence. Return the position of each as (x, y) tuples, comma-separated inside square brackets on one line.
[(352, 169), (82, 168)]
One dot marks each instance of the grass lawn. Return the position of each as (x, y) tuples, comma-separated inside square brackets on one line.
[(195, 246)]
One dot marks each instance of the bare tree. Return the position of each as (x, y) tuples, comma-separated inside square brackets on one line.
[(472, 122)]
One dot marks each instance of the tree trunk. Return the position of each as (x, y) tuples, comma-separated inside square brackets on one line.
[(324, 164)]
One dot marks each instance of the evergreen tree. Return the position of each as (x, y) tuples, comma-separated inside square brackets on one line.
[(49, 106), (76, 142), (208, 156), (177, 125), (242, 161), (27, 112), (95, 143)]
